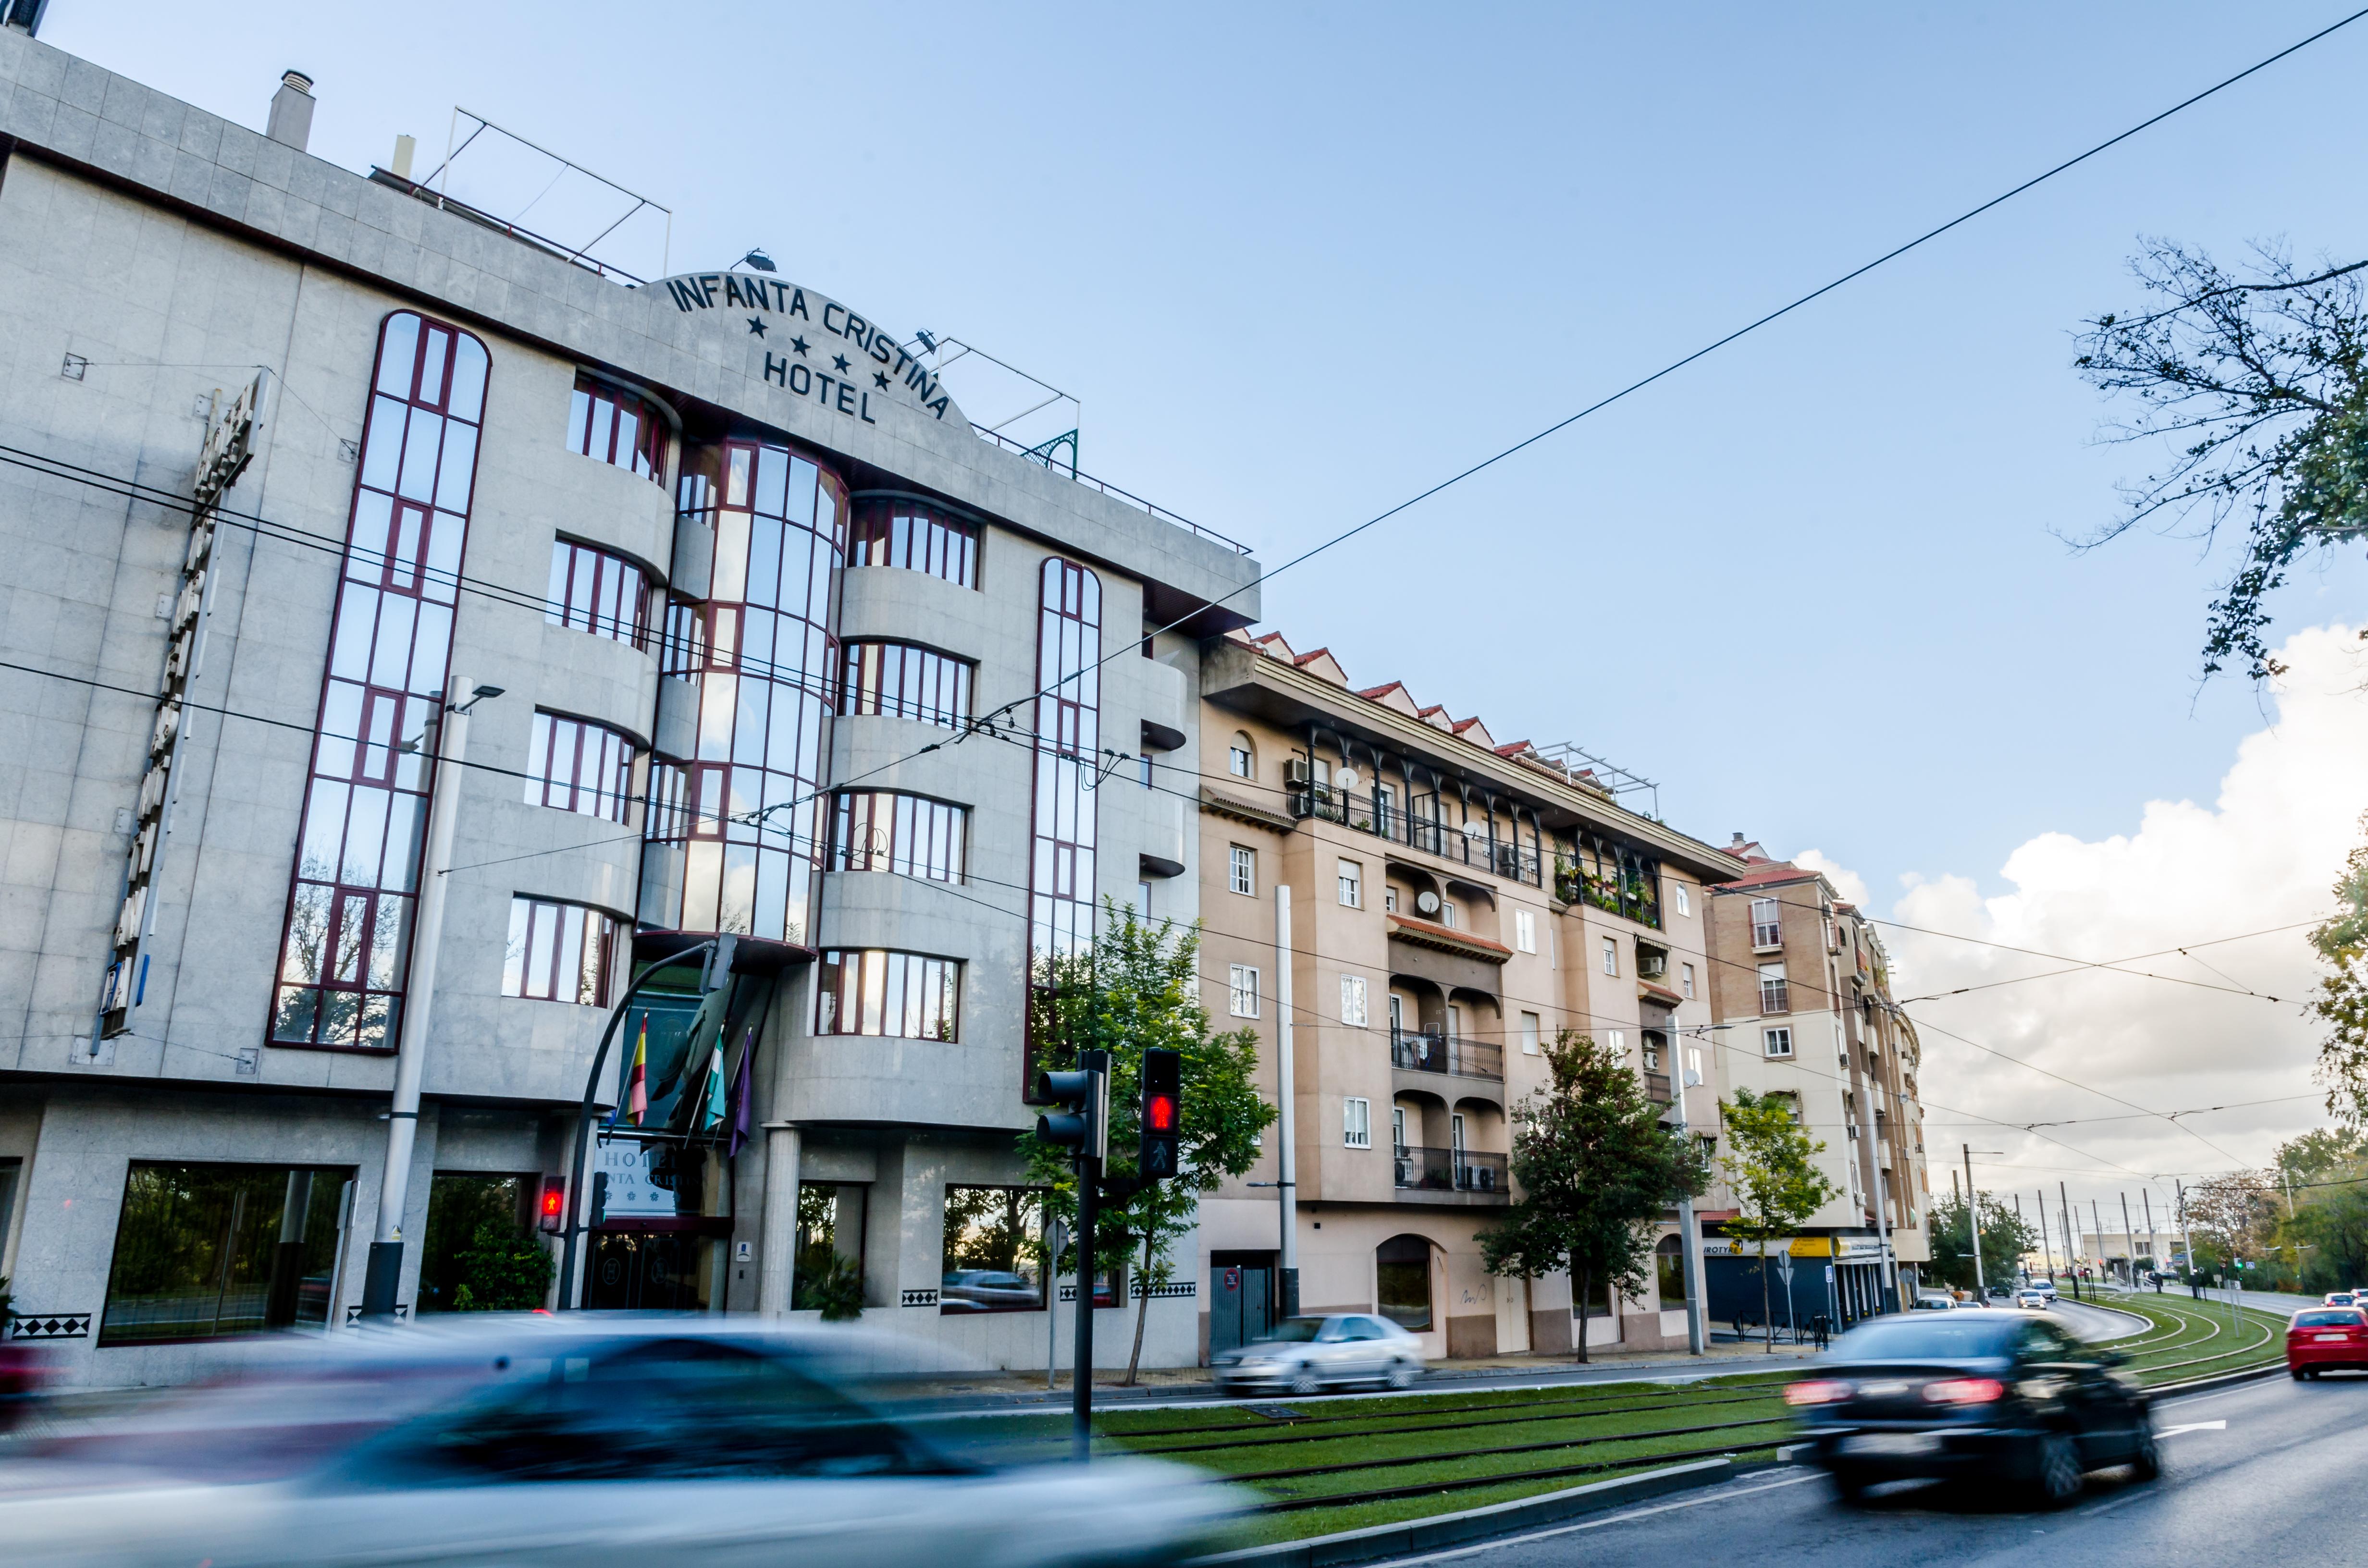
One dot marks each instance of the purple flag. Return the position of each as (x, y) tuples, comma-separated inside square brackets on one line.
[(740, 1095)]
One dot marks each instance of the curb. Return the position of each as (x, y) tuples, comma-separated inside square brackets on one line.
[(2218, 1379), (1377, 1543)]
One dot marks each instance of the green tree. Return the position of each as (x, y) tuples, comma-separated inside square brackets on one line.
[(2341, 1000), (1595, 1167), (1770, 1166), (2258, 388), (1138, 988), (505, 1269), (2006, 1237)]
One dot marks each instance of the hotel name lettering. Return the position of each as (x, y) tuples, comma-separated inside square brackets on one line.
[(825, 373)]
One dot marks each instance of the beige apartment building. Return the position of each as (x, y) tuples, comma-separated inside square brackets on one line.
[(1802, 985), (1452, 904)]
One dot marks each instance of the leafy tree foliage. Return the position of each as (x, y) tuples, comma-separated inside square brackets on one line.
[(2341, 1002), (2006, 1237), (1138, 988), (1771, 1164), (1595, 1167), (2256, 385), (504, 1269)]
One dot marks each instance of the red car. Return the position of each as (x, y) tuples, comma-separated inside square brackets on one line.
[(2327, 1338)]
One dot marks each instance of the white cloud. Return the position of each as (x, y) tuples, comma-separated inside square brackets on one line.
[(1847, 883), (2261, 856)]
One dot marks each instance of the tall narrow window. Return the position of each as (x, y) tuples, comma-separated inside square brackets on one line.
[(1242, 988), (559, 952), (1242, 870), (905, 681), (1356, 1122), (1529, 1034), (909, 835), (1686, 978), (871, 990), (1775, 994), (1681, 898), (1240, 759), (617, 428), (574, 765), (346, 951), (1352, 1000), (1525, 930), (1353, 884), (897, 532), (743, 834), (1610, 956), (1767, 930), (596, 591)]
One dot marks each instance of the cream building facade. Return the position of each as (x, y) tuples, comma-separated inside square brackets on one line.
[(1452, 903)]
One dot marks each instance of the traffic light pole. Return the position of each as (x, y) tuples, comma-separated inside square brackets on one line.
[(1089, 1176)]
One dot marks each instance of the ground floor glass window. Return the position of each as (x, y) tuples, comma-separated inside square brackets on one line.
[(994, 1250), (203, 1251)]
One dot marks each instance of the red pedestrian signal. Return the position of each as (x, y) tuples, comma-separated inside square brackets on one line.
[(554, 1202), (1163, 1089)]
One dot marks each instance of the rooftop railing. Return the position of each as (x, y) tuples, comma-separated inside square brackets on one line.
[(1043, 456)]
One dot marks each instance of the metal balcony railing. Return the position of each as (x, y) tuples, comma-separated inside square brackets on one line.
[(1657, 1087), (1427, 1051), (1449, 1170), (1367, 812)]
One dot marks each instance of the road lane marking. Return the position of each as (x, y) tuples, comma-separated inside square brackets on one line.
[(2193, 1427), (1721, 1495)]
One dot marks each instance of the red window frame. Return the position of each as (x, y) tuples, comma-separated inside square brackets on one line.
[(580, 766), (598, 591), (617, 428), (897, 532)]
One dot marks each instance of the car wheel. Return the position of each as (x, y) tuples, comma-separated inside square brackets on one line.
[(2146, 1459), (1305, 1381), (1401, 1376), (2294, 1372), (1849, 1488), (2057, 1481)]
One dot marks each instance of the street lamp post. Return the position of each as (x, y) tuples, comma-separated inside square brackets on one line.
[(382, 1277)]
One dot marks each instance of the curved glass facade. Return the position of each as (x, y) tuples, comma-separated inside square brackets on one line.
[(759, 654)]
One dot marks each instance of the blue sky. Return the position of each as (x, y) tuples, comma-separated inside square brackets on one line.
[(1300, 263)]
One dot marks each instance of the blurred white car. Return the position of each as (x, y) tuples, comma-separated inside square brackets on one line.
[(1308, 1353), (583, 1440)]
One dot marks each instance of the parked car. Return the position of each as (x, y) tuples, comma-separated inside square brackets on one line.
[(562, 1441), (1308, 1353), (1976, 1396), (2326, 1339)]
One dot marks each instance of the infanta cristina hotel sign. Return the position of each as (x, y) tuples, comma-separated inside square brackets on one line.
[(810, 346)]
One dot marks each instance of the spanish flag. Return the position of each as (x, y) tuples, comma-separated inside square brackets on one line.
[(637, 1092)]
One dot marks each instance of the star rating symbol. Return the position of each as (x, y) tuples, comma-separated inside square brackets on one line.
[(839, 361), (756, 326), (799, 345), (880, 380)]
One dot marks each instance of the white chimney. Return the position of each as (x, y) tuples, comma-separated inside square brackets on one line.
[(291, 111)]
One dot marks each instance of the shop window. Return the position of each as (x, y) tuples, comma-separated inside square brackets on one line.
[(617, 428), (202, 1251), (1402, 1282), (830, 1243), (559, 952), (479, 1251), (872, 990), (574, 765), (901, 533), (993, 1244), (597, 591), (1669, 1271)]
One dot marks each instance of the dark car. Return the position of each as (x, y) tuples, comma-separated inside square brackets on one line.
[(1972, 1394)]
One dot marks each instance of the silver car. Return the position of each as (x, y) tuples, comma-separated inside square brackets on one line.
[(1307, 1354), (583, 1440)]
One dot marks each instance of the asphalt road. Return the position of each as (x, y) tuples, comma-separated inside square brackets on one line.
[(2263, 1472)]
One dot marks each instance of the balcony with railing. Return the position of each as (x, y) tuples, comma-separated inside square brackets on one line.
[(1467, 843), (1424, 1050), (1453, 1173), (1657, 1087), (1631, 895)]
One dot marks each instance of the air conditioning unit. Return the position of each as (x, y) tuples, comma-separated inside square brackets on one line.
[(1295, 770)]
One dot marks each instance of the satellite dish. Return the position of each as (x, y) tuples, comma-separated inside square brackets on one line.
[(1475, 831), (1428, 902), (1348, 778)]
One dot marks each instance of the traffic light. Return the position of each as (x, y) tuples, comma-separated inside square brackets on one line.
[(554, 1203), (1084, 1123), (1163, 1111), (600, 1200)]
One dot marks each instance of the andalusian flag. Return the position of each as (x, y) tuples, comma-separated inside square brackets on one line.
[(712, 1114), (637, 1092)]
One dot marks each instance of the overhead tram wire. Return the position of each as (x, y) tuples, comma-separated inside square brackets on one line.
[(137, 491)]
